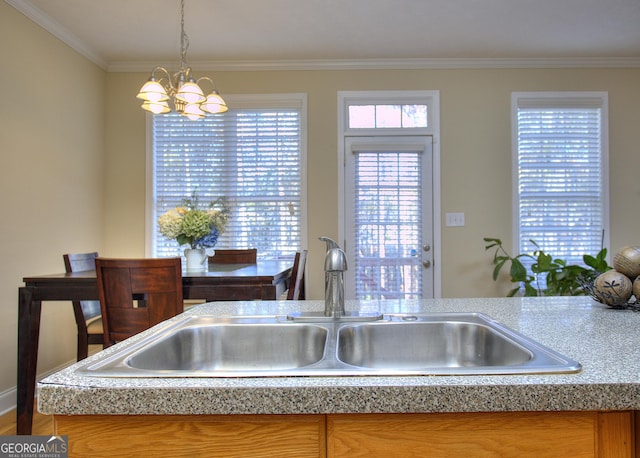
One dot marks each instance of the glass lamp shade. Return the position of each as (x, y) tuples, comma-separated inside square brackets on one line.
[(190, 92), (153, 91), (156, 107), (214, 104), (193, 111)]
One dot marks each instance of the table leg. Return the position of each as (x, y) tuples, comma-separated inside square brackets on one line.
[(28, 336), (269, 293), (272, 292)]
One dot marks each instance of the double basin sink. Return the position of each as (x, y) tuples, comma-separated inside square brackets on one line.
[(271, 346)]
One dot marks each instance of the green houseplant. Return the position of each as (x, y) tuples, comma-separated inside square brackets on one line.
[(562, 279)]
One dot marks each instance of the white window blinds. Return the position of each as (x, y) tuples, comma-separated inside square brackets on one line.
[(252, 157), (561, 182), (387, 221)]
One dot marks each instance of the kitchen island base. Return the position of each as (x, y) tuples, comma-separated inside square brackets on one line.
[(505, 434)]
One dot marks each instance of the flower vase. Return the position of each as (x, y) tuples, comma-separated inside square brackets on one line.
[(196, 259)]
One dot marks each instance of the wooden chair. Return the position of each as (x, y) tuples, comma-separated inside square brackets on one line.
[(87, 313), (296, 284), (249, 256), (136, 294)]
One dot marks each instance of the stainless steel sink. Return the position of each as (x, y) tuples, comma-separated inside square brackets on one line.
[(419, 345), (233, 347), (265, 346), (445, 344)]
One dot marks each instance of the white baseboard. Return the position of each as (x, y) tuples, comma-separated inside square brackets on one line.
[(8, 400), (8, 397)]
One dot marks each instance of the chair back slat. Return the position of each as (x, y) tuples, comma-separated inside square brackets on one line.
[(127, 322), (81, 262), (248, 256), (85, 312), (296, 284)]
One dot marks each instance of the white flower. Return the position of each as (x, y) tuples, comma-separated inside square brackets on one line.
[(170, 223)]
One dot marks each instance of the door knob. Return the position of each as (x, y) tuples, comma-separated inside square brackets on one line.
[(426, 264), (426, 247)]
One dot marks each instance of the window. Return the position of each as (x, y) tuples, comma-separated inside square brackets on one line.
[(380, 116), (560, 175), (253, 155)]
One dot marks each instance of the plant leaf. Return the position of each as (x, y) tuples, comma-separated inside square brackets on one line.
[(497, 268), (513, 292), (530, 290), (492, 242)]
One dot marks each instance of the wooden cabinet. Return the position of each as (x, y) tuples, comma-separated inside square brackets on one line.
[(505, 434), (228, 436), (509, 434)]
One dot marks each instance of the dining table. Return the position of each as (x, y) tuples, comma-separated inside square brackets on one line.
[(264, 280)]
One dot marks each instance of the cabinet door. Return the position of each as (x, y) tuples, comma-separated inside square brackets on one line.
[(514, 434), (228, 436)]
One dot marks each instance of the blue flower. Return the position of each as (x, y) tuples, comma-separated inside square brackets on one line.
[(209, 240)]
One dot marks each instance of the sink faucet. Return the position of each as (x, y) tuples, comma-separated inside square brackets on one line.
[(335, 264)]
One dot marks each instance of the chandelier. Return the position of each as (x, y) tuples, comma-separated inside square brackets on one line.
[(180, 92)]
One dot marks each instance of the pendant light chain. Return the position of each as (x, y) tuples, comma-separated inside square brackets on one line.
[(184, 40)]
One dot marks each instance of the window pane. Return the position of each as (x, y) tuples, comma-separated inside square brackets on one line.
[(388, 225), (414, 116), (362, 116), (560, 180), (388, 116)]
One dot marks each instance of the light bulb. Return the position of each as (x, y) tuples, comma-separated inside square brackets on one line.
[(193, 111), (152, 91), (190, 92)]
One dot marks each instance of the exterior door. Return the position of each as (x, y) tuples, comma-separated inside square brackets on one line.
[(389, 217)]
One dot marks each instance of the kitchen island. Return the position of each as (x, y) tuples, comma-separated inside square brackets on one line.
[(589, 413)]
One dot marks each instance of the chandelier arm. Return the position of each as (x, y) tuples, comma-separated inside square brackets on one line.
[(162, 70), (206, 78), (188, 73), (170, 87)]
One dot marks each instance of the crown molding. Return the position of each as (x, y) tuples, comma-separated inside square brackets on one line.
[(386, 64), (58, 31), (66, 36)]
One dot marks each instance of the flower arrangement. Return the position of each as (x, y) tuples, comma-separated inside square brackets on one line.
[(191, 225)]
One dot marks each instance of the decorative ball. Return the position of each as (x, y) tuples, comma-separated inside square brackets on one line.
[(613, 288), (627, 261), (636, 288)]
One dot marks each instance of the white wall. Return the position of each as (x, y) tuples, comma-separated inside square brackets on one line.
[(51, 180), (475, 148)]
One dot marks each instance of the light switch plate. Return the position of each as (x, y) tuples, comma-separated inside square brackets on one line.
[(455, 219)]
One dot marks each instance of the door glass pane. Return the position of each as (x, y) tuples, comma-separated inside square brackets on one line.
[(388, 220)]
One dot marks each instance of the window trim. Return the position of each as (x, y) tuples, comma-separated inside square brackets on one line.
[(563, 99), (258, 101)]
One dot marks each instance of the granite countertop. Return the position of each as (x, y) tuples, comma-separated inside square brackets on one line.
[(603, 340)]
